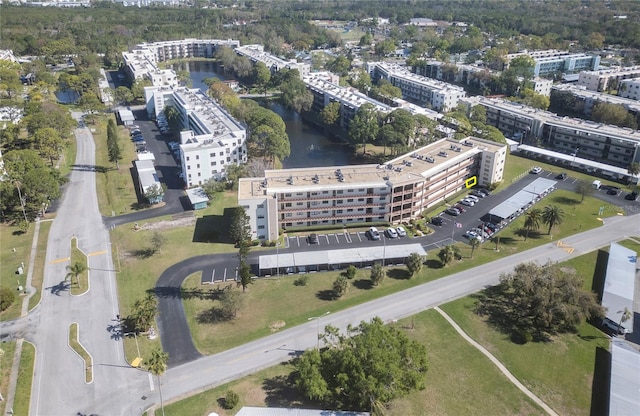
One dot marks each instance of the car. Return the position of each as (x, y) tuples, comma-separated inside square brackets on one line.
[(536, 170), (612, 192), (470, 234), (632, 196), (437, 221), (473, 198), (478, 193), (460, 208), (614, 326), (391, 232), (313, 238), (491, 226), (561, 176), (452, 211), (374, 234), (401, 231), (467, 202), (485, 191), (135, 131), (134, 127)]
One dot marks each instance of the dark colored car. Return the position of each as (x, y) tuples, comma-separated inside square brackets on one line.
[(612, 192), (561, 176), (452, 211), (460, 208), (437, 221), (632, 196), (313, 238), (478, 193)]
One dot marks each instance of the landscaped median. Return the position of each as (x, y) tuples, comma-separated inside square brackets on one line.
[(78, 270), (75, 345)]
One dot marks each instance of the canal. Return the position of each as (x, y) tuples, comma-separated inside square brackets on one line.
[(310, 146)]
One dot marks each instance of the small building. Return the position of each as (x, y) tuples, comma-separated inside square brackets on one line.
[(148, 180), (197, 198), (126, 116)]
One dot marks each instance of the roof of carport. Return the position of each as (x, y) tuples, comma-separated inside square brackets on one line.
[(522, 198), (342, 256)]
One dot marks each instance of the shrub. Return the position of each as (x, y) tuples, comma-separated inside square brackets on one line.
[(231, 399), (340, 286), (7, 297), (302, 280), (350, 273)]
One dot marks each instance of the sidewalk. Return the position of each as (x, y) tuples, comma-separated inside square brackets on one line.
[(498, 364)]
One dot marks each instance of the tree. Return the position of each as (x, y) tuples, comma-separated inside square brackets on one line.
[(350, 272), (331, 113), (584, 189), (414, 263), (633, 169), (340, 65), (74, 271), (377, 274), (532, 221), (158, 240), (625, 315), (231, 399), (240, 229), (364, 126), (340, 286), (233, 174), (294, 92), (475, 243), (371, 362), (245, 276), (154, 193), (7, 297), (144, 312), (113, 145), (123, 95), (448, 254), (157, 365), (231, 302), (478, 113), (48, 143), (261, 76), (552, 215), (615, 114), (537, 301)]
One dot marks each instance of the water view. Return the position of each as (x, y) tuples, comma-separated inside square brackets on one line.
[(310, 146)]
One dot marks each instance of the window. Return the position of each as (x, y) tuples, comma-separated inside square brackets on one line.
[(287, 205), (197, 157), (198, 165), (261, 206), (260, 216), (245, 207), (221, 153), (260, 227), (187, 158), (350, 200), (212, 154), (213, 163)]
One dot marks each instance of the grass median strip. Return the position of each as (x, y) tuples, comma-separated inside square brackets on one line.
[(78, 270), (25, 379), (74, 343)]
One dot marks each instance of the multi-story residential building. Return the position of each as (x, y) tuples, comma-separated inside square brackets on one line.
[(437, 95), (210, 139), (586, 99), (629, 88), (396, 191), (607, 79), (607, 144), (256, 54), (551, 61)]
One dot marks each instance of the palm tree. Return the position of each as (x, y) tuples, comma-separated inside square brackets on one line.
[(626, 315), (448, 254), (75, 270), (157, 365), (633, 169), (532, 221), (552, 216), (475, 242)]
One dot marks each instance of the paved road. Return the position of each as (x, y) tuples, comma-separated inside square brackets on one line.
[(210, 371), (58, 386)]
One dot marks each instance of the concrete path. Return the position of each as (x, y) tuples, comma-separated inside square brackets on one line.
[(498, 364)]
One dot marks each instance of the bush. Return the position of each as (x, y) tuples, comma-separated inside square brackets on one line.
[(7, 297), (231, 399), (350, 273), (302, 280)]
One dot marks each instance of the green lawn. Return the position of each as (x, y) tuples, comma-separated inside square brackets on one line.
[(25, 379), (14, 252), (6, 360), (38, 267), (74, 343)]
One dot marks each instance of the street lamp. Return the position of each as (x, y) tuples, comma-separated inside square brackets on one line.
[(317, 318)]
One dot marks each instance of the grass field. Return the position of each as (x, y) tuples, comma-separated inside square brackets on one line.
[(25, 379), (6, 359)]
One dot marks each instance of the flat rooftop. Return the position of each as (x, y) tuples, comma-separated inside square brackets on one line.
[(408, 168)]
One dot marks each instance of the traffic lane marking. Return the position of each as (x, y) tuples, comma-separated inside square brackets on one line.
[(62, 260), (97, 253)]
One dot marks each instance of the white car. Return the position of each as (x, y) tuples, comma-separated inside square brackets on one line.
[(536, 170), (473, 198), (467, 202), (391, 232), (373, 233), (401, 231)]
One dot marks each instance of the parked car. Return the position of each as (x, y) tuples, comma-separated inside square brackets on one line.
[(478, 193), (401, 231), (536, 170), (437, 221), (561, 176), (491, 226), (632, 196), (612, 191), (374, 234), (485, 191), (313, 238), (391, 232), (135, 131), (614, 326), (473, 198), (460, 208), (467, 202), (452, 211)]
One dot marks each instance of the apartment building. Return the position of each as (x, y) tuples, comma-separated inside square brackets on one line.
[(256, 54), (210, 140), (585, 99), (607, 79), (630, 88), (612, 145), (396, 191), (438, 95), (551, 61)]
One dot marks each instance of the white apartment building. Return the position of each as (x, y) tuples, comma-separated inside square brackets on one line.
[(551, 61), (604, 79), (611, 145), (396, 191), (630, 88), (256, 54), (437, 95), (586, 99)]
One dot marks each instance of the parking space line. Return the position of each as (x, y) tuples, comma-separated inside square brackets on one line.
[(213, 274), (327, 237), (336, 236), (298, 240), (347, 237), (286, 242), (359, 238), (224, 277)]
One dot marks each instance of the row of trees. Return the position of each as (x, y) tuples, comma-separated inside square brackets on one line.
[(113, 143)]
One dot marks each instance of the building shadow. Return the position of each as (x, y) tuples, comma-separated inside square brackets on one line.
[(213, 228), (600, 273), (601, 383)]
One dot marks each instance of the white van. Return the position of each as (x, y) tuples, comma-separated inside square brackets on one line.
[(614, 326), (596, 184)]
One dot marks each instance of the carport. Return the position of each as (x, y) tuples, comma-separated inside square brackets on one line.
[(522, 200), (305, 261)]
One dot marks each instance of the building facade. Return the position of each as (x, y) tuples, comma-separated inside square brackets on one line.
[(551, 61), (607, 79), (394, 192), (256, 54), (585, 100), (438, 95), (630, 88), (616, 146)]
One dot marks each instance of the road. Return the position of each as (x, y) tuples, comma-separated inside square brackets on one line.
[(58, 385)]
